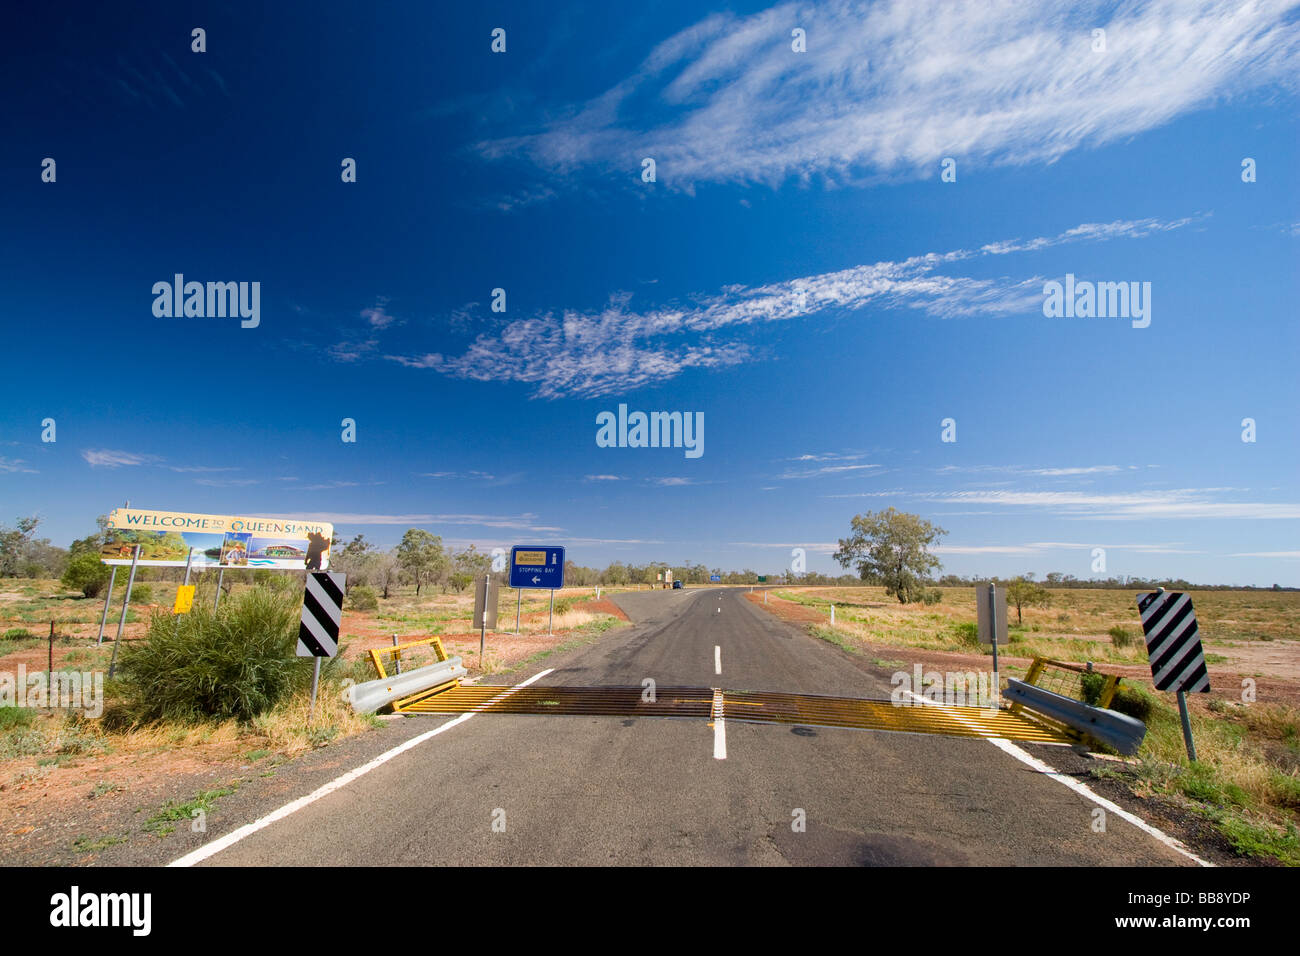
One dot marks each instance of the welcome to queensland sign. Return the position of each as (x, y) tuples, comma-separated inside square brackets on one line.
[(169, 538)]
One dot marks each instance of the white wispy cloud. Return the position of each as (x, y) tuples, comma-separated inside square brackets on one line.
[(586, 354), (377, 316), (12, 465), (480, 475), (1182, 503), (1041, 547), (1047, 472), (827, 456), (603, 478), (825, 470), (887, 89), (524, 522), (227, 482), (112, 458)]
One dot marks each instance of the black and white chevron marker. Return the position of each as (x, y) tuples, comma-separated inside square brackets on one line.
[(1173, 642), (322, 610)]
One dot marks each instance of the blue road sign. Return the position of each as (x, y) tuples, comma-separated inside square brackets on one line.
[(536, 567), (715, 577)]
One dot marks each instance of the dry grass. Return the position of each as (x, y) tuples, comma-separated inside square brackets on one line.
[(1075, 626)]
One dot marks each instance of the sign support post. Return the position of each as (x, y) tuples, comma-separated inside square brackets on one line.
[(993, 618), (315, 680), (550, 616), (221, 576), (112, 578), (126, 602), (1187, 726), (519, 600)]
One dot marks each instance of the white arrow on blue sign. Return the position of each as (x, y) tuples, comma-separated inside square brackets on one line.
[(538, 566)]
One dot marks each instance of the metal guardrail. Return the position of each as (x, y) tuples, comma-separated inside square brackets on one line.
[(1116, 730)]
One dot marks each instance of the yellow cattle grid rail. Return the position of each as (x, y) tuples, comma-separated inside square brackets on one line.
[(570, 701), (386, 660), (745, 706)]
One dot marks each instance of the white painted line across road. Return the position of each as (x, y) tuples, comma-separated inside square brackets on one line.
[(230, 839), (717, 659)]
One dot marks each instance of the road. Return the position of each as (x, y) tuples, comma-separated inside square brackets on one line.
[(582, 790)]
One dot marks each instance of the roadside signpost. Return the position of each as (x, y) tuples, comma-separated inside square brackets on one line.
[(126, 602), (991, 607), (485, 610), (540, 567), (1174, 647), (322, 614)]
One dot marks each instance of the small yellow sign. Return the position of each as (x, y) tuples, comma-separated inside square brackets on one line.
[(184, 599), (530, 557)]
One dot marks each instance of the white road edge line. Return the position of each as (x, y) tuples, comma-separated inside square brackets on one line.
[(1083, 790), (230, 839), (717, 658)]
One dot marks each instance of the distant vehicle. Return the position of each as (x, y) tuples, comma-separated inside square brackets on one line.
[(676, 585)]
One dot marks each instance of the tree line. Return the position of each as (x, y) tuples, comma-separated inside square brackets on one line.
[(890, 549)]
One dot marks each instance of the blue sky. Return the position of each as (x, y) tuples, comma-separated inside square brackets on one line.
[(776, 172)]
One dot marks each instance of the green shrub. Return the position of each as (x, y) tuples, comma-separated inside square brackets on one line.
[(236, 662), (564, 605), (17, 634), (931, 595), (363, 598), (12, 717), (1134, 700), (1121, 636), (85, 573), (968, 633), (1091, 686), (141, 594)]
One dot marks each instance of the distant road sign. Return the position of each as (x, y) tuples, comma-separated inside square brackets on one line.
[(715, 577), (539, 566), (1173, 642), (762, 579), (322, 610)]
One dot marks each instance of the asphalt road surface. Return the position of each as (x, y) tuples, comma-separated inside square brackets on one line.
[(608, 790)]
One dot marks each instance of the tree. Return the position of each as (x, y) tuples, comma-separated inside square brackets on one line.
[(86, 573), (467, 565), (890, 547), (421, 555), (385, 570), (13, 545), (1025, 591)]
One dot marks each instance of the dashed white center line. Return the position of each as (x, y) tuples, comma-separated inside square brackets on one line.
[(717, 659)]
